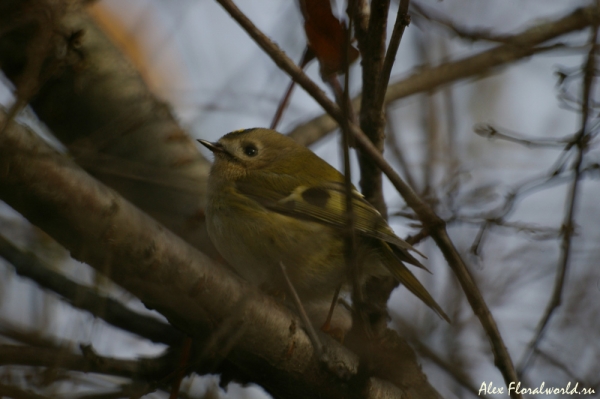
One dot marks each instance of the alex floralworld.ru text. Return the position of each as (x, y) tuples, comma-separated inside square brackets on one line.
[(489, 389)]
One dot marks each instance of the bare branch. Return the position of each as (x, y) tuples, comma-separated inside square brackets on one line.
[(580, 143), (18, 393), (522, 45), (396, 150), (85, 362), (449, 368), (473, 35), (492, 132), (96, 103), (372, 48), (437, 229), (81, 297), (402, 21)]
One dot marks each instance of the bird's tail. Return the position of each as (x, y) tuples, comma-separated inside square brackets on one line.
[(405, 276)]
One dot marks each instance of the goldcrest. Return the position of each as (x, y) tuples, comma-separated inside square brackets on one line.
[(272, 200)]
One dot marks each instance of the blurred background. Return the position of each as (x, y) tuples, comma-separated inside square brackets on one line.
[(489, 152)]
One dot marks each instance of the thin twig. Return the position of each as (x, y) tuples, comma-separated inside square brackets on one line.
[(450, 124), (429, 121), (455, 369), (430, 129), (134, 390), (402, 21), (343, 102), (223, 338), (327, 325), (557, 363), (30, 338), (535, 232), (417, 238), (184, 359), (491, 132), (396, 150), (306, 58), (581, 145), (477, 242), (372, 123), (428, 78), (472, 35), (281, 59), (528, 186), (300, 308), (353, 267), (88, 361), (282, 105), (326, 355), (449, 368)]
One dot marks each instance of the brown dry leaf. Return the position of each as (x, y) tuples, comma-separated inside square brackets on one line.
[(326, 36)]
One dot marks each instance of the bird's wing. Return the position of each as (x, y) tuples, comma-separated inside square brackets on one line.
[(326, 203)]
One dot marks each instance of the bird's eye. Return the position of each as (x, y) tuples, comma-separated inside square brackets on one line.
[(250, 150)]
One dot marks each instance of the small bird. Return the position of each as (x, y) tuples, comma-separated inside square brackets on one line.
[(273, 201)]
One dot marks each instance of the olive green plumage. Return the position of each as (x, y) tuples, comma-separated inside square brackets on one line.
[(271, 200)]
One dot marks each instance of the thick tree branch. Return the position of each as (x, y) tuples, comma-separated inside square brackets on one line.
[(84, 298), (103, 230), (18, 393), (88, 143), (96, 103)]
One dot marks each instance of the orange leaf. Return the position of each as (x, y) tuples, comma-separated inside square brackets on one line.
[(326, 36)]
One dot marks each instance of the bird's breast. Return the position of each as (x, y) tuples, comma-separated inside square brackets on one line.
[(255, 240)]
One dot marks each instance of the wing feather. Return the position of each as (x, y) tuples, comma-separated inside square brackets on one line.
[(326, 204)]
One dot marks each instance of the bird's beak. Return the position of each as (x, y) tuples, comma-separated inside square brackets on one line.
[(215, 147)]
